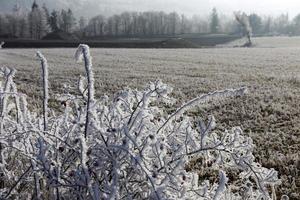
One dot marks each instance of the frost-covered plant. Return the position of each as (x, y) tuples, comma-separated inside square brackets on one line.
[(243, 20), (44, 65), (124, 147), (83, 53), (1, 45)]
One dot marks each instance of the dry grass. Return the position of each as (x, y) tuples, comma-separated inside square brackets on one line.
[(270, 113)]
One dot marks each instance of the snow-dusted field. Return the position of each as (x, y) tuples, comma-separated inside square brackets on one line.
[(270, 113)]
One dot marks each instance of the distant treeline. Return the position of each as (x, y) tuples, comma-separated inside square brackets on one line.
[(39, 21)]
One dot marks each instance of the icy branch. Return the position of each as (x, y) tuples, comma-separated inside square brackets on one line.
[(83, 53), (44, 65)]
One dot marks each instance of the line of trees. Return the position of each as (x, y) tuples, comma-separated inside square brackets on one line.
[(161, 23), (134, 23), (38, 22)]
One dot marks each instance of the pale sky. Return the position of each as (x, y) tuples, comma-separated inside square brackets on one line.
[(259, 6), (189, 7), (202, 7)]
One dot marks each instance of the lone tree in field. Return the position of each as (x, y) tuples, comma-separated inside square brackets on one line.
[(243, 20)]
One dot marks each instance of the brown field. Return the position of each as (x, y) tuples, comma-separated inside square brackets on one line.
[(270, 113)]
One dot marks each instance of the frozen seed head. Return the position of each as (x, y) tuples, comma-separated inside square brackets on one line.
[(82, 50), (41, 57), (83, 54)]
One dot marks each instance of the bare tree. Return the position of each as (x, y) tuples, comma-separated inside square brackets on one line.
[(243, 20), (53, 20), (109, 26), (96, 25), (37, 22), (173, 23), (15, 22), (117, 21), (82, 26), (126, 22), (67, 21)]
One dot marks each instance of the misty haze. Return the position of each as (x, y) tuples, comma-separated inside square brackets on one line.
[(140, 99)]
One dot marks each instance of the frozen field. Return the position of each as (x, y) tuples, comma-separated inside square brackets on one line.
[(270, 42), (270, 113)]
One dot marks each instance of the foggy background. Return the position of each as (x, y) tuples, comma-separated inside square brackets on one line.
[(90, 8), (190, 20)]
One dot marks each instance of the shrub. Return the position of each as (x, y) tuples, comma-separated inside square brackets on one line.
[(123, 147)]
